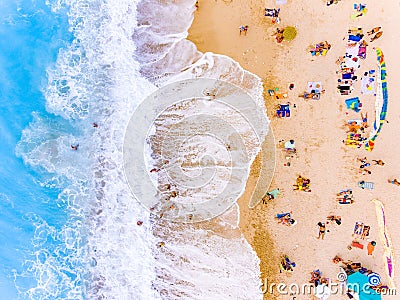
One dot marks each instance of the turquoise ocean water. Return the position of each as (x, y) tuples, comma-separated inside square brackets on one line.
[(30, 37)]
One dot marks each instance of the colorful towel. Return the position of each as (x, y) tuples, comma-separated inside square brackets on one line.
[(314, 87), (358, 228), (283, 111), (354, 38), (362, 52), (353, 103), (368, 85), (366, 185), (275, 193), (381, 101)]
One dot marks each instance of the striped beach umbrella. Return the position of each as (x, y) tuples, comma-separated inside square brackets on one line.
[(374, 279)]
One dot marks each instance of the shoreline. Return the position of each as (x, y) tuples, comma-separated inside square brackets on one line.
[(318, 128)]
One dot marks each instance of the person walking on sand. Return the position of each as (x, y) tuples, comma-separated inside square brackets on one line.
[(371, 247), (243, 28), (322, 229)]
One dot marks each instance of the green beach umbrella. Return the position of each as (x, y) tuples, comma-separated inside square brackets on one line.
[(289, 33)]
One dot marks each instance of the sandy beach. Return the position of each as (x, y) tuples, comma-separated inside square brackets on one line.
[(318, 128)]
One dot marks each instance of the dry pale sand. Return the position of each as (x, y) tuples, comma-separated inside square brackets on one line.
[(318, 129)]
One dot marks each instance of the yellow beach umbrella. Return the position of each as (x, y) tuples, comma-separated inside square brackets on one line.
[(289, 33)]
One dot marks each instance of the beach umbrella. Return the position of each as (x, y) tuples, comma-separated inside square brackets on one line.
[(359, 283), (322, 292), (289, 33), (374, 279)]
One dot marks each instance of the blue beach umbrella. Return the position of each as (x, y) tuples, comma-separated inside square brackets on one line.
[(359, 283), (374, 279)]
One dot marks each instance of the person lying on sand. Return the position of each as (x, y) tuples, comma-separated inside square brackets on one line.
[(337, 259), (337, 219), (394, 181), (365, 172), (376, 36), (363, 160), (364, 120), (374, 30), (365, 232), (378, 162)]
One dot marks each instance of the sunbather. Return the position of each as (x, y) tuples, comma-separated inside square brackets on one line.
[(358, 227), (365, 232), (286, 264), (337, 259), (346, 201), (374, 30), (376, 36), (316, 277), (271, 195), (394, 181), (362, 159), (364, 120), (366, 185), (337, 219), (378, 162), (272, 12), (347, 192), (365, 172)]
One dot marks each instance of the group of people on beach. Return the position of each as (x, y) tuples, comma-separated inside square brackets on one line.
[(355, 128)]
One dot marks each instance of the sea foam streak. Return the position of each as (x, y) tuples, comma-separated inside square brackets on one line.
[(101, 77)]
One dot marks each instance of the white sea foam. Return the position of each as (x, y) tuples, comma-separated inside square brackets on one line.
[(101, 77)]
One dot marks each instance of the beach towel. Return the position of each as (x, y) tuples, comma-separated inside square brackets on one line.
[(362, 52), (350, 142), (357, 245), (283, 215), (283, 111), (314, 87), (351, 52), (353, 103), (365, 231), (347, 75), (281, 96), (355, 30), (381, 101), (361, 10), (275, 193), (366, 185), (289, 145), (368, 85), (358, 227), (354, 38), (345, 192), (346, 200), (357, 122)]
